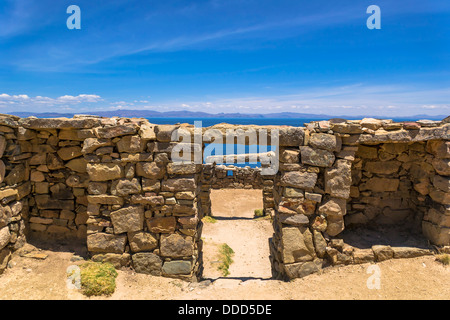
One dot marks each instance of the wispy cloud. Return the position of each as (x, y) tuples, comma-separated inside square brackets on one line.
[(23, 100)]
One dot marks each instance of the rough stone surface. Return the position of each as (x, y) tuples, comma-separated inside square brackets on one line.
[(128, 219), (147, 262)]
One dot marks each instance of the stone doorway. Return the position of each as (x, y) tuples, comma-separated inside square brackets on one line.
[(232, 222)]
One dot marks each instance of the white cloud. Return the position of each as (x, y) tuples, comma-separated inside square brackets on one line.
[(29, 102)]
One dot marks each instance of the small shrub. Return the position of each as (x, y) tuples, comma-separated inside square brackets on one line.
[(258, 213), (225, 254), (444, 259), (209, 219), (98, 278)]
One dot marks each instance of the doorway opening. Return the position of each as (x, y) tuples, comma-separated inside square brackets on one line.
[(236, 236)]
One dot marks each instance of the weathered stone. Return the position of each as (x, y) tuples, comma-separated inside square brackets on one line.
[(105, 199), (37, 176), (45, 202), (383, 252), (300, 180), (128, 219), (97, 188), (357, 218), (54, 162), (58, 123), (148, 200), (381, 185), (116, 259), (92, 144), (164, 132), (77, 181), (183, 168), (384, 167), (69, 153), (291, 136), (180, 184), (150, 170), (363, 256), (141, 241), (16, 175), (323, 141), (302, 269), (176, 246), (367, 152), (295, 220), (437, 217), (136, 157), (441, 183), (316, 157), (150, 185), (333, 207), (441, 149), (184, 210), (177, 267), (5, 256), (104, 172), (409, 252), (293, 193), (131, 144), (147, 132), (294, 245), (338, 179), (5, 236), (185, 195), (437, 235), (440, 196), (442, 166), (162, 224), (335, 225), (106, 243), (320, 243), (315, 197), (124, 187), (371, 123), (114, 131), (290, 156), (147, 263)]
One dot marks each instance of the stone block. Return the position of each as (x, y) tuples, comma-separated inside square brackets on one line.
[(128, 219)]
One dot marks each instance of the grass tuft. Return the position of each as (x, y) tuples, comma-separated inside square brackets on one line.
[(98, 278), (444, 259), (209, 219), (258, 213), (225, 254)]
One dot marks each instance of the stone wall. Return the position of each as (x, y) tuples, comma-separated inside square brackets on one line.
[(112, 185), (235, 177)]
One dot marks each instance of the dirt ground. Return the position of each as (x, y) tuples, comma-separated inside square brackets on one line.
[(417, 278)]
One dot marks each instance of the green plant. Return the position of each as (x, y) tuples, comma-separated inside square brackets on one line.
[(443, 258), (258, 213), (98, 278), (225, 254), (209, 219)]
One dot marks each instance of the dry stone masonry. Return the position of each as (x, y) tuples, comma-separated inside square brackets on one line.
[(112, 185)]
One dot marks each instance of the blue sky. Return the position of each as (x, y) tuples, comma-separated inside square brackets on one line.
[(226, 56)]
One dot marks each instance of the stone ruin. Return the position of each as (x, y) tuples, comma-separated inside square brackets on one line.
[(110, 184)]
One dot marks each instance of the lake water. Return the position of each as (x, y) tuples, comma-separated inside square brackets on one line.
[(207, 122)]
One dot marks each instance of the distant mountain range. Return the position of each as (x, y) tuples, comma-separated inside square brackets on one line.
[(199, 115)]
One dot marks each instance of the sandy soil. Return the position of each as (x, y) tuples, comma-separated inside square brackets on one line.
[(418, 278)]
